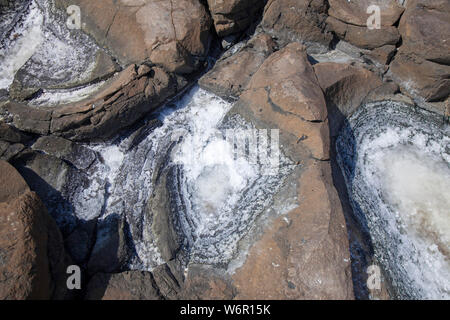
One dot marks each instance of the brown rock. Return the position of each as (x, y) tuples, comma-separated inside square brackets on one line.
[(382, 55), (291, 84), (307, 257), (230, 76), (363, 37), (355, 12), (303, 255), (118, 104), (421, 78), (425, 30), (32, 258), (232, 16), (298, 20), (136, 30), (345, 88), (370, 39)]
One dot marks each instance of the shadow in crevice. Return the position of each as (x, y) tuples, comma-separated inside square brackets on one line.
[(360, 243), (100, 245)]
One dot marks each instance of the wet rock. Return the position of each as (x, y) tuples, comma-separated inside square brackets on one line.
[(230, 75), (129, 285), (32, 258), (292, 20), (234, 16), (355, 12)]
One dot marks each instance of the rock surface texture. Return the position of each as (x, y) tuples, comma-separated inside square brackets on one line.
[(32, 264), (80, 112), (173, 33)]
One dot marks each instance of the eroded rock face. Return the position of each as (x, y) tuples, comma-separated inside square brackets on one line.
[(129, 285), (122, 101), (345, 88), (292, 20), (303, 255), (32, 257), (423, 63), (160, 284), (232, 16), (355, 12), (172, 33), (424, 28), (231, 74), (364, 37)]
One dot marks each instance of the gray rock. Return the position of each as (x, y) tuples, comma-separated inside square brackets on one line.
[(81, 157), (110, 252)]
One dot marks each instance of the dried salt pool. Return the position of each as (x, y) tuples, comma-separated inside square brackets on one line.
[(180, 185), (396, 163)]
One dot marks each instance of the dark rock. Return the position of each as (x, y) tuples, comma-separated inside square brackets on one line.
[(11, 134), (129, 285), (81, 157), (110, 252)]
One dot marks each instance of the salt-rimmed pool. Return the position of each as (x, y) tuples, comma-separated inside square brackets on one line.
[(396, 162)]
